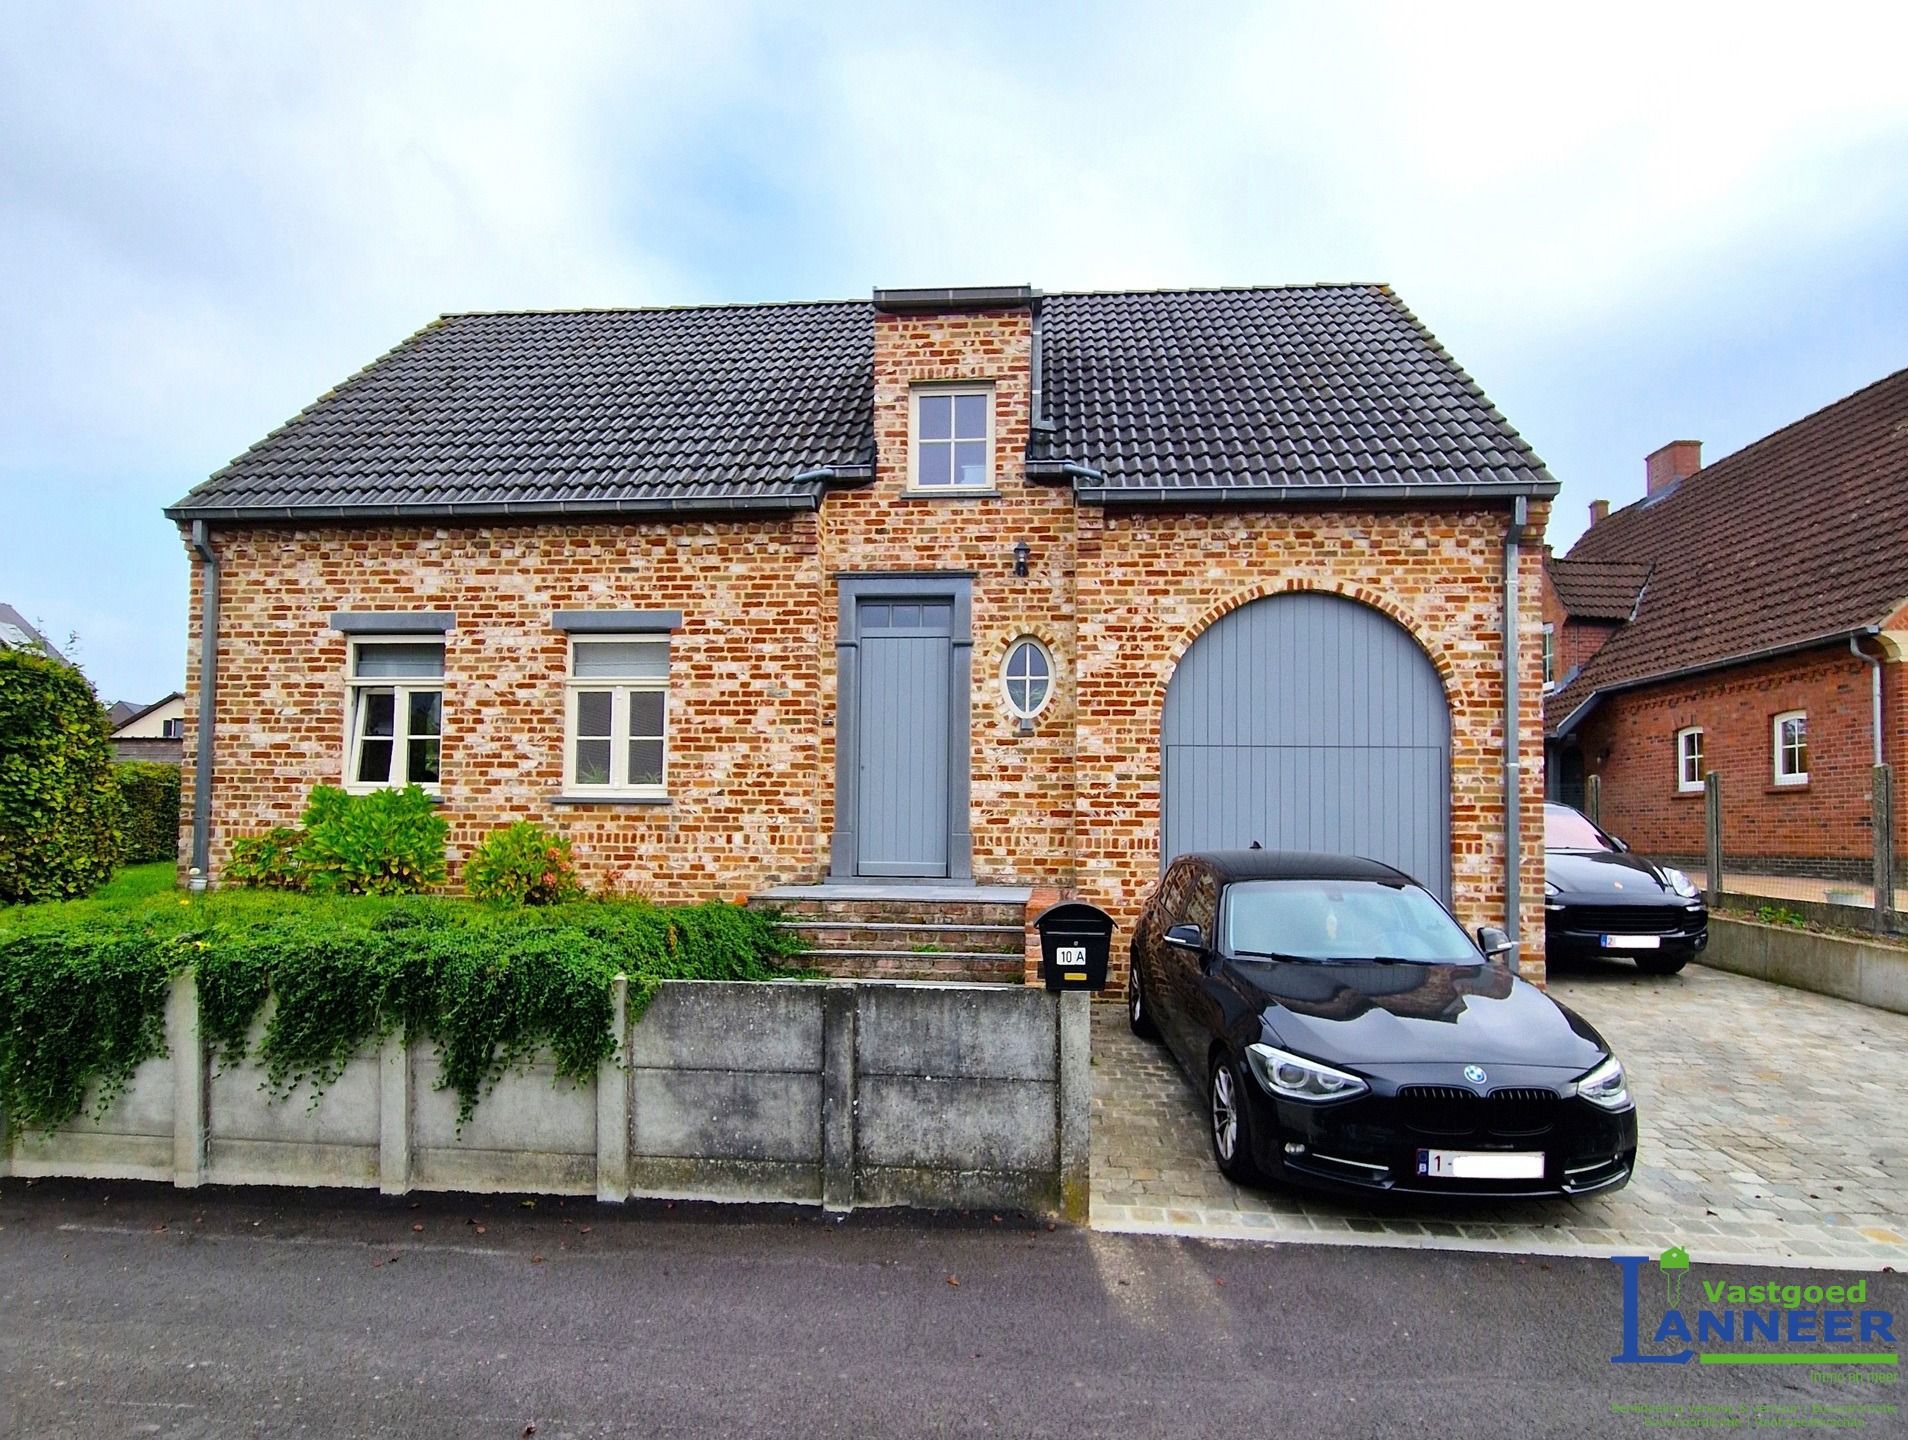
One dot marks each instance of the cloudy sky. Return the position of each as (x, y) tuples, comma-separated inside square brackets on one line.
[(1632, 223)]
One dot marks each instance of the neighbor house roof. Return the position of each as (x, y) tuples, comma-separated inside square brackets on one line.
[(17, 634), (1324, 392), (1801, 538), (139, 712), (1597, 589)]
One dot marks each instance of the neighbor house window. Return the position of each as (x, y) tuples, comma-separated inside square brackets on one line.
[(1550, 657), (397, 713), (618, 716), (172, 730), (1792, 748), (954, 438), (1689, 758), (1027, 677)]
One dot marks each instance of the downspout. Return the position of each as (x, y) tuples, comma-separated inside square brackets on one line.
[(208, 696), (1513, 866), (1875, 691)]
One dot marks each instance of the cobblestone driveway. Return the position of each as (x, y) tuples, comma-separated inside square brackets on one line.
[(1774, 1128)]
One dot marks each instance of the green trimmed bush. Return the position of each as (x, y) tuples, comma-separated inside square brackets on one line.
[(83, 985), (389, 842), (149, 793), (522, 864), (269, 861), (60, 805)]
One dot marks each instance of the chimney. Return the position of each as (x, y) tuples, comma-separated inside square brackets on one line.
[(1676, 461), (1599, 511)]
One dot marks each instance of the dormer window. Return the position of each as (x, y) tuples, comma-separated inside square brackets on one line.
[(954, 438)]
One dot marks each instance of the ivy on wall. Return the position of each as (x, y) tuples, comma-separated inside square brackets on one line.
[(83, 986)]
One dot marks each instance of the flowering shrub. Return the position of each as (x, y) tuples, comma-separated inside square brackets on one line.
[(522, 864)]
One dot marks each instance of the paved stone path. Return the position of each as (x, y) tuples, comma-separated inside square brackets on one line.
[(1774, 1129)]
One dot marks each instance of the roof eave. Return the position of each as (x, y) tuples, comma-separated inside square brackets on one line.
[(1310, 494), (1746, 657), (788, 503)]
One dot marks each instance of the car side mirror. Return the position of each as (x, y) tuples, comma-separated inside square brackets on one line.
[(1495, 944), (1184, 937), (1623, 847)]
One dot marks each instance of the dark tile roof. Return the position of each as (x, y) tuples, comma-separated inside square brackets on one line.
[(16, 633), (1222, 393), (1802, 536), (1597, 589)]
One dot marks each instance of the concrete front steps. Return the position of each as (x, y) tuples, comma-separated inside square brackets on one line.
[(907, 932)]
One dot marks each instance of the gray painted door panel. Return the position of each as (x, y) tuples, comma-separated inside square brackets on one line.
[(906, 660), (1309, 722)]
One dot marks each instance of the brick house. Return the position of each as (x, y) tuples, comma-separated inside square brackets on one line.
[(1746, 617), (955, 598)]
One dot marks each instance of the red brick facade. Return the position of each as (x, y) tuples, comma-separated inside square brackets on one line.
[(1116, 597), (1629, 740)]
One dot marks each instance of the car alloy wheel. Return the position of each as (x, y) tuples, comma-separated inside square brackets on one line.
[(1232, 1124), (1225, 1114), (1139, 1015)]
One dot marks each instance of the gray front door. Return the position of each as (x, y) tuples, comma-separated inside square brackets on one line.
[(904, 727), (1309, 722)]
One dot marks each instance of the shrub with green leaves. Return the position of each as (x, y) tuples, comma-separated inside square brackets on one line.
[(60, 805), (149, 791), (269, 861), (83, 985), (387, 842), (522, 864)]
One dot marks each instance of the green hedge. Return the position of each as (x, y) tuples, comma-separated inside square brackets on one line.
[(59, 800), (149, 795), (83, 985)]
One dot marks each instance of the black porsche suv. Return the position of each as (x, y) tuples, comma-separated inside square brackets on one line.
[(1602, 900)]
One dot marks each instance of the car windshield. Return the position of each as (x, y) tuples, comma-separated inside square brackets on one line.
[(1565, 829), (1342, 920)]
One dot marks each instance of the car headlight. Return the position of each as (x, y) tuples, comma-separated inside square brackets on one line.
[(1680, 883), (1296, 1078), (1606, 1086)]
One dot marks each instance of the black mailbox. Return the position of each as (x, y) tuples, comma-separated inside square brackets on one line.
[(1075, 941)]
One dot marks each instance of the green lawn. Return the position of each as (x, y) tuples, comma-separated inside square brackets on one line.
[(140, 882)]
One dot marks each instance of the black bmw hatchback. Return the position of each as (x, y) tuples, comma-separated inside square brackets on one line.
[(1600, 899), (1349, 1035)]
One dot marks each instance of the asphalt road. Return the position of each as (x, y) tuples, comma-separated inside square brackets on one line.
[(135, 1310)]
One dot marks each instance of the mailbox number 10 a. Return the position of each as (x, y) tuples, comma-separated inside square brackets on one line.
[(1071, 955)]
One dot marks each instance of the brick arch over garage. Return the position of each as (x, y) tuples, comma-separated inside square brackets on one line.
[(1308, 718)]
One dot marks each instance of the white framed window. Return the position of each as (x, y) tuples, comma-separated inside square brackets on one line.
[(1791, 729), (617, 726), (396, 725), (1689, 758), (951, 438), (1027, 677), (1550, 656), (173, 729)]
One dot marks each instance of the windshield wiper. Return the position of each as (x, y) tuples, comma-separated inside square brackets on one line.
[(1279, 955)]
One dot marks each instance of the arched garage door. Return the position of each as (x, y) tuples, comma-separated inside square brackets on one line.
[(1309, 722)]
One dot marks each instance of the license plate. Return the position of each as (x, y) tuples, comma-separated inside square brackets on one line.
[(1632, 942), (1481, 1164)]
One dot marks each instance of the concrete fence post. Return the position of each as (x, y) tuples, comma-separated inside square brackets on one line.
[(1882, 814), (1074, 1098), (1593, 799), (613, 1104), (394, 1115), (1713, 835), (840, 1004), (188, 1081)]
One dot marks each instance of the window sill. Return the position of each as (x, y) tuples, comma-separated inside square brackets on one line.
[(571, 799), (950, 492), (1790, 787), (1689, 792), (436, 797)]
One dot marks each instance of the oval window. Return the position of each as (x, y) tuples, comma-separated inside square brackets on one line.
[(1028, 677)]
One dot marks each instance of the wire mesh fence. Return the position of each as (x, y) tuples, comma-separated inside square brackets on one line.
[(1826, 856)]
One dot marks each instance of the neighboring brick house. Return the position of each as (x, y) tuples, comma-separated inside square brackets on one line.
[(1746, 617), (894, 594)]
